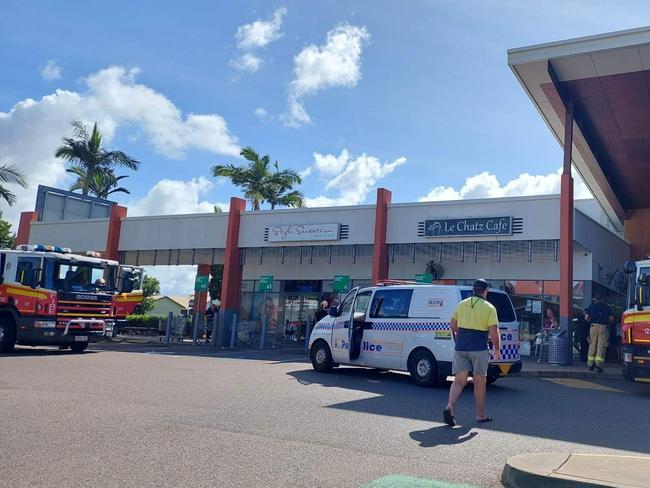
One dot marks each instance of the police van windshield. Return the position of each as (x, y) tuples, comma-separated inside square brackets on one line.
[(80, 276), (501, 301)]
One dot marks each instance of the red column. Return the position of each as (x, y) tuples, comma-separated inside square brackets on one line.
[(201, 297), (114, 226), (380, 251), (566, 234), (232, 270), (26, 219)]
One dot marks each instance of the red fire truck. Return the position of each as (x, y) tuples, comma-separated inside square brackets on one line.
[(49, 296), (635, 324)]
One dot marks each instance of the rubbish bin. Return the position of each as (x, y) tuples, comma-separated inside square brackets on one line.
[(557, 348)]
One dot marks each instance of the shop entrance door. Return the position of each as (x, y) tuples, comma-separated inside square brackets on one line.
[(299, 311)]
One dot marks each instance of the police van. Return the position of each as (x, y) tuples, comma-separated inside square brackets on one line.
[(407, 328)]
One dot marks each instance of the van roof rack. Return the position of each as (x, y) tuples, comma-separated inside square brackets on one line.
[(399, 282)]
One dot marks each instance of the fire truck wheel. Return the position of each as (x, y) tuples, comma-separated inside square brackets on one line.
[(7, 334), (79, 347)]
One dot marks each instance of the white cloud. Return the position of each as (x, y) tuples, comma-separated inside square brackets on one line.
[(176, 197), (357, 176), (486, 185), (329, 164), (247, 62), (32, 129), (261, 32), (262, 114), (51, 71), (305, 172), (174, 280), (337, 63)]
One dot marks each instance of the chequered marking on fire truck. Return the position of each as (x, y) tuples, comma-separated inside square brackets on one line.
[(410, 326)]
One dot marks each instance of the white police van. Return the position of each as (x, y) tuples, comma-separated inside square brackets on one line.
[(406, 328)]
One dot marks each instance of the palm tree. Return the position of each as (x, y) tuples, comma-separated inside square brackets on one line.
[(88, 158), (9, 174), (279, 188), (100, 184), (259, 183)]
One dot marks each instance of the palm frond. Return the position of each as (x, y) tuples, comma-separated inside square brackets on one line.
[(11, 174)]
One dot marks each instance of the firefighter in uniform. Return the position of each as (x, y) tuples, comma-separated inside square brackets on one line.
[(600, 315)]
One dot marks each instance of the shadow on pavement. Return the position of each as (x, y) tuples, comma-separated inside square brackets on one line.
[(443, 435), (42, 352), (527, 406)]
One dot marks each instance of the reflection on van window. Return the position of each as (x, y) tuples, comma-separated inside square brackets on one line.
[(361, 305), (501, 301), (391, 304)]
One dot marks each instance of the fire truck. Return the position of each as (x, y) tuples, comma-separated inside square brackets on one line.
[(635, 324), (49, 296)]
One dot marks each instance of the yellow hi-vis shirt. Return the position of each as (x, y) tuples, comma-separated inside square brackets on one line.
[(474, 317)]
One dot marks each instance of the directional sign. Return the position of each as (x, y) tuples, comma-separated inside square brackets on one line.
[(424, 278), (201, 283), (341, 283), (266, 283)]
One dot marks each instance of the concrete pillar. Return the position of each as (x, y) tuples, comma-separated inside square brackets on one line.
[(380, 250), (114, 226), (566, 235), (26, 219), (232, 269)]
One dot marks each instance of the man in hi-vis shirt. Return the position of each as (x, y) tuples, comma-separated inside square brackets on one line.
[(474, 319)]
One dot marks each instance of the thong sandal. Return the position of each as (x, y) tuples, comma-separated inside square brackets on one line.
[(450, 420), (485, 419)]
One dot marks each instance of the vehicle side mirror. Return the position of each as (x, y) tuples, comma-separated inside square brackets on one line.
[(126, 285), (334, 312)]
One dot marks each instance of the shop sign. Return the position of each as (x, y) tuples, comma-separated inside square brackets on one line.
[(424, 278), (341, 283), (482, 226), (304, 232), (266, 283), (201, 283)]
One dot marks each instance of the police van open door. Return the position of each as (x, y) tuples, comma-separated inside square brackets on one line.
[(346, 338)]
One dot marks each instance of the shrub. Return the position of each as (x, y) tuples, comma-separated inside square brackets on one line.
[(144, 320)]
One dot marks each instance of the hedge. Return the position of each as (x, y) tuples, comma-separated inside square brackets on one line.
[(144, 320)]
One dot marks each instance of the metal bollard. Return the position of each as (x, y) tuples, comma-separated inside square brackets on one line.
[(233, 332), (263, 337), (168, 331), (216, 330), (308, 333), (197, 322)]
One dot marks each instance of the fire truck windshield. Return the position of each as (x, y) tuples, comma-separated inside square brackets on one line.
[(63, 275)]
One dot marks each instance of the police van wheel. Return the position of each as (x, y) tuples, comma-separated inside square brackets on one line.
[(321, 357), (7, 334), (423, 368), (78, 347)]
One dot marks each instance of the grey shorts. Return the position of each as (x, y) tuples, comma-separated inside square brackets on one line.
[(474, 361)]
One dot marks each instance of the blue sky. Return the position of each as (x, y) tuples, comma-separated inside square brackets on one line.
[(413, 96)]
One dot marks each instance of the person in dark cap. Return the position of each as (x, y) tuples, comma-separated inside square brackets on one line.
[(473, 321)]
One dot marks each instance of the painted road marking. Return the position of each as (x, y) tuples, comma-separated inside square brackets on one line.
[(403, 481), (583, 384)]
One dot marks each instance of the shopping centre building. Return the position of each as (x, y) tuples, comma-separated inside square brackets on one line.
[(316, 253), (592, 92)]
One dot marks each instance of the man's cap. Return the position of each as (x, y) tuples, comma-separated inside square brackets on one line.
[(481, 284)]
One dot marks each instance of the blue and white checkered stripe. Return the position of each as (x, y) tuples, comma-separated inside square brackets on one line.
[(324, 326), (410, 326), (508, 351)]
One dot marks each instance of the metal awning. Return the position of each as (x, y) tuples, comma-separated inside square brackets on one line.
[(607, 78)]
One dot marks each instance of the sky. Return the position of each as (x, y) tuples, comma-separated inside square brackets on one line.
[(414, 96)]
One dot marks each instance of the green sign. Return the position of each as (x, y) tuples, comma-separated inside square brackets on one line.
[(201, 283), (341, 283), (266, 283), (424, 278)]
